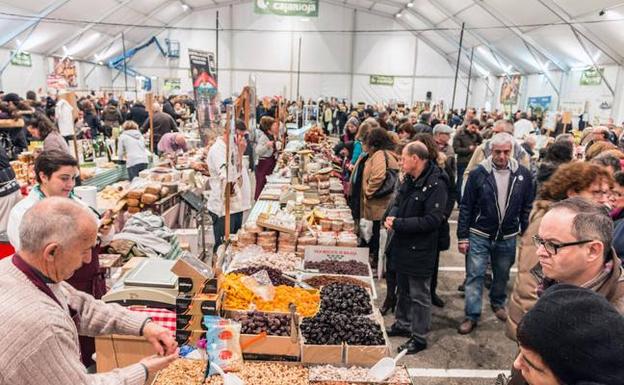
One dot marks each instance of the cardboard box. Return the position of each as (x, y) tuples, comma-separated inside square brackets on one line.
[(367, 280), (199, 305), (365, 355), (190, 322), (189, 337), (271, 345), (336, 253), (322, 354), (190, 237), (115, 351), (194, 276)]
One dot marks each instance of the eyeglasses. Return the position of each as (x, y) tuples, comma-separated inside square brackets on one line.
[(552, 248)]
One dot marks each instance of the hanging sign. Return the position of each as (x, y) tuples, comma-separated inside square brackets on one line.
[(172, 85), (21, 59), (591, 77), (305, 8), (66, 68), (510, 89), (381, 80), (204, 78), (539, 104)]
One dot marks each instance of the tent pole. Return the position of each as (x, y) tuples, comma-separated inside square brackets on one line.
[(123, 43), (469, 78), (299, 68), (217, 49), (461, 41)]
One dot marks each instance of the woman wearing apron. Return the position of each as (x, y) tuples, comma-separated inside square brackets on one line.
[(55, 172), (265, 151)]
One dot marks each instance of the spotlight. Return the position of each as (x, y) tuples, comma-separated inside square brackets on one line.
[(398, 15), (410, 4), (602, 12)]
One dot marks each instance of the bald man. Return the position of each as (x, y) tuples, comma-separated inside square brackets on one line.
[(414, 220), (171, 143), (42, 316)]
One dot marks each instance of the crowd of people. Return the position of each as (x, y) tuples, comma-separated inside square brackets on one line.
[(555, 210), (550, 201)]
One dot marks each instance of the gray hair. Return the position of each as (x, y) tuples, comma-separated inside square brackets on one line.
[(52, 219), (417, 148), (605, 159), (507, 125), (502, 138), (565, 138), (156, 107), (591, 221)]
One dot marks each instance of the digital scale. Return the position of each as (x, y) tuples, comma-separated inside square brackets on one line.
[(151, 283)]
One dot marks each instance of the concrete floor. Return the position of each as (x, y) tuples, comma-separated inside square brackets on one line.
[(480, 355)]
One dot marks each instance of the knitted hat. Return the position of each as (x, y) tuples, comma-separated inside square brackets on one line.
[(578, 334)]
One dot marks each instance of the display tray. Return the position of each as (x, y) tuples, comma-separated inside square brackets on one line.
[(288, 362), (368, 280), (262, 221)]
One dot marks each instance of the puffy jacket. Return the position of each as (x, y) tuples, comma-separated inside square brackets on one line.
[(524, 293), (478, 211), (419, 212), (112, 115), (461, 144)]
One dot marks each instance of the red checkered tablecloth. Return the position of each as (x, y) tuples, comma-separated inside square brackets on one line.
[(163, 317)]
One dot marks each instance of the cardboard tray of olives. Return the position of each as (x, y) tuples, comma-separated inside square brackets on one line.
[(282, 333), (368, 282)]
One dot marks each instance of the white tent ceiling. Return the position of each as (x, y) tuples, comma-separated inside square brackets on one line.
[(508, 36)]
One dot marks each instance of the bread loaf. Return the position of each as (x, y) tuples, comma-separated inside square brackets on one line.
[(149, 199)]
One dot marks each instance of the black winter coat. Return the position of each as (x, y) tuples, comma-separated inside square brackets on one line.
[(419, 212), (478, 211), (461, 145), (138, 114)]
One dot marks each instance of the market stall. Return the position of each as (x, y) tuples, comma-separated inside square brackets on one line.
[(290, 285)]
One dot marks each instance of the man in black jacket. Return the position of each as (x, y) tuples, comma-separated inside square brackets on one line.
[(464, 144), (138, 113), (493, 211), (415, 219)]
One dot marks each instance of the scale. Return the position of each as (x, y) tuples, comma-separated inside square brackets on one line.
[(151, 283)]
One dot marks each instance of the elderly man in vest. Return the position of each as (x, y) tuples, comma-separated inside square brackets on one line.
[(42, 315)]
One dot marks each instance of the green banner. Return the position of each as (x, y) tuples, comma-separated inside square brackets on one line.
[(172, 85), (306, 8), (591, 77), (21, 59), (382, 80)]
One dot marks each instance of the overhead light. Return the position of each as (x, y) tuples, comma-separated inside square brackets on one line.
[(398, 15), (410, 4), (602, 12), (101, 63), (185, 7), (65, 50), (19, 43)]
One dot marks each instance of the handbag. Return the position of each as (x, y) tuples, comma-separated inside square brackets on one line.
[(389, 183)]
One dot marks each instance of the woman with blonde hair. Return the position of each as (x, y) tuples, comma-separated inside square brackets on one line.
[(131, 145), (582, 179)]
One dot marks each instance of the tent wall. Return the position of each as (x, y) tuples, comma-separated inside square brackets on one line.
[(573, 93), (327, 59)]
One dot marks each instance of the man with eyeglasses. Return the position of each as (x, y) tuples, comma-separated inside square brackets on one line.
[(574, 246)]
